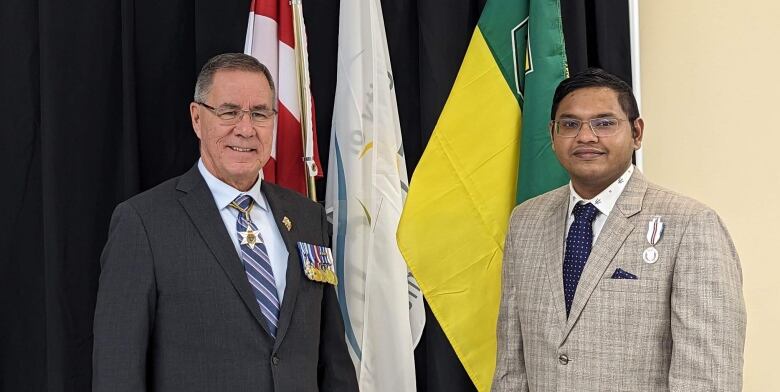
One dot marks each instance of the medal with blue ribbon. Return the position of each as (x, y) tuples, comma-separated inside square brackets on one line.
[(318, 263)]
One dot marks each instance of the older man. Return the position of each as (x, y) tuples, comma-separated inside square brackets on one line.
[(203, 285), (612, 283)]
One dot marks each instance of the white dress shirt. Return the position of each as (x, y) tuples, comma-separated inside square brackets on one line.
[(260, 215), (604, 202)]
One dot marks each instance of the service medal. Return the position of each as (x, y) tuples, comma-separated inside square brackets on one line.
[(317, 263), (655, 228), (650, 255)]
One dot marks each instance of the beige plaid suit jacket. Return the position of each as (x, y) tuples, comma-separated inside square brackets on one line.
[(679, 327)]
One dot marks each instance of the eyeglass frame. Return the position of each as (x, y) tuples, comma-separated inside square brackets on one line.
[(556, 124), (239, 117)]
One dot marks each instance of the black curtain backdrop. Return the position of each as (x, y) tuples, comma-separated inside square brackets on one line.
[(93, 110)]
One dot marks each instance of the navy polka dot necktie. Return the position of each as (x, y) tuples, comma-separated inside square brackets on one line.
[(578, 245)]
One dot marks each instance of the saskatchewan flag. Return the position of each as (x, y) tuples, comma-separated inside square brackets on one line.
[(489, 150)]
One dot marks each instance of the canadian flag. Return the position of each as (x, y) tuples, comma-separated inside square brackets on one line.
[(270, 38)]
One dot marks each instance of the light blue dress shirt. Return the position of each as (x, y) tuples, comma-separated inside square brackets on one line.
[(261, 216)]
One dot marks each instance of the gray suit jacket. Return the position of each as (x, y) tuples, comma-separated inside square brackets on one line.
[(680, 326), (175, 311)]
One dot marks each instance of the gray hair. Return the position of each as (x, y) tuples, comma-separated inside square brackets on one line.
[(229, 61)]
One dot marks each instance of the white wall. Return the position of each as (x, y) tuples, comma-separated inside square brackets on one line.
[(711, 103)]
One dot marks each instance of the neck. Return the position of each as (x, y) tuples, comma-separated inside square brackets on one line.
[(589, 189), (241, 185)]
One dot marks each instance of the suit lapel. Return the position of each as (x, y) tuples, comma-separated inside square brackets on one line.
[(279, 208), (199, 205), (553, 240), (613, 234)]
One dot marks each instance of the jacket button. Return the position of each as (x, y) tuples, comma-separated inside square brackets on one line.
[(563, 359), (275, 360)]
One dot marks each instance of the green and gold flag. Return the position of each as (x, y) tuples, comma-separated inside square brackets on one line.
[(452, 228)]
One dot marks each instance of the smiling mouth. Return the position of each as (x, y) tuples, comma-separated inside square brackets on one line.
[(240, 149)]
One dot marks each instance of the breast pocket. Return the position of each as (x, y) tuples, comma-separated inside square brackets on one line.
[(629, 285)]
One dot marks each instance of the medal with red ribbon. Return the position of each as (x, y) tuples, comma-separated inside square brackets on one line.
[(655, 228)]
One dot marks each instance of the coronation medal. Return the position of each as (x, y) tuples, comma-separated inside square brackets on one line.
[(650, 255), (655, 229)]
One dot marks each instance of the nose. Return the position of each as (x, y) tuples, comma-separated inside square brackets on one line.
[(244, 126), (586, 134)]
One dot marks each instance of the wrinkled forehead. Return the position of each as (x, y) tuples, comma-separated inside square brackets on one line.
[(238, 86)]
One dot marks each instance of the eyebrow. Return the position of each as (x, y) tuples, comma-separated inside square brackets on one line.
[(229, 105), (600, 115)]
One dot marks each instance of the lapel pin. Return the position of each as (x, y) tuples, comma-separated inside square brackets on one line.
[(287, 223), (655, 229)]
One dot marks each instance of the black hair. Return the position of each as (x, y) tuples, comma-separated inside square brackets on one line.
[(597, 77)]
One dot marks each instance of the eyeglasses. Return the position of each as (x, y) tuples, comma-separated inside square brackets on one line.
[(602, 126), (233, 115)]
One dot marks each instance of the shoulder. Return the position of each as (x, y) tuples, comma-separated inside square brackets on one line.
[(691, 217), (306, 218), (540, 206), (134, 217), (290, 200), (159, 196), (158, 201), (658, 198)]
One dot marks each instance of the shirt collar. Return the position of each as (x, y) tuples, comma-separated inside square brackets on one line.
[(224, 193), (605, 200)]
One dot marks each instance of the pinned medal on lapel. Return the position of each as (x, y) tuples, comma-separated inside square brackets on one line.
[(655, 229), (318, 263), (287, 223)]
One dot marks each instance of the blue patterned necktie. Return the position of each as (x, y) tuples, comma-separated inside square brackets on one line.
[(578, 245), (257, 264)]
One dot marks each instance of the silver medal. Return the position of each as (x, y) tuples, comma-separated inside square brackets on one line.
[(650, 255), (655, 229)]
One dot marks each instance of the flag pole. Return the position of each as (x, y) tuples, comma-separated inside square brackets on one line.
[(301, 61)]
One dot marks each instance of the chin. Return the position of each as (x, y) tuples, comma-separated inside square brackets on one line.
[(581, 166), (590, 174), (241, 169)]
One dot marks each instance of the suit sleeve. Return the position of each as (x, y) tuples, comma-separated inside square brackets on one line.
[(125, 307), (510, 372), (335, 370), (708, 311)]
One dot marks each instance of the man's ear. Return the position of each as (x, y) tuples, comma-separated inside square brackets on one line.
[(637, 131), (195, 116), (551, 128)]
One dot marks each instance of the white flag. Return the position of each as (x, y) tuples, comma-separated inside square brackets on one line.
[(367, 184)]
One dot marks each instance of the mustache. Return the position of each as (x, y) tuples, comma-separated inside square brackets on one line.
[(587, 150)]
